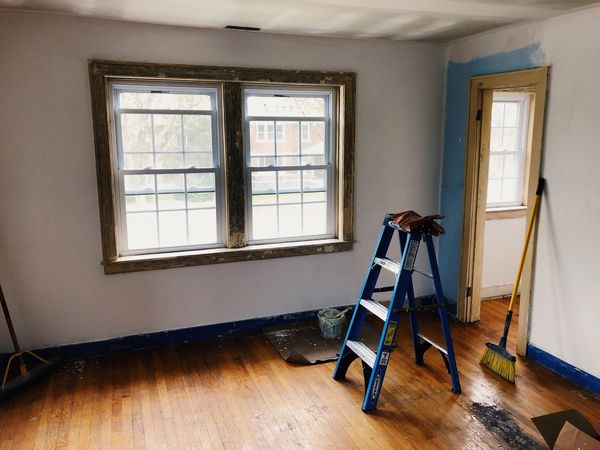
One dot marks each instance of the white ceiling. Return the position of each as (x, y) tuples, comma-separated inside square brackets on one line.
[(422, 20)]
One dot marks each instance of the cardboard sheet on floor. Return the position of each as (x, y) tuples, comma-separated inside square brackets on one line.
[(302, 343), (553, 428)]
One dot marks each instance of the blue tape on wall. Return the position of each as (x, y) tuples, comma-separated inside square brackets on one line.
[(455, 133), (182, 336), (564, 369)]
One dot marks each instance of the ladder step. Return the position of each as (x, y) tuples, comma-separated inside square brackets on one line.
[(375, 307), (388, 264), (433, 344), (362, 351)]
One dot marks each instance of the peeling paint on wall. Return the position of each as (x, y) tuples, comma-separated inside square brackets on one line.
[(455, 133)]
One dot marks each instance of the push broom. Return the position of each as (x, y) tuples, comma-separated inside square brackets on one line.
[(496, 357), (26, 375)]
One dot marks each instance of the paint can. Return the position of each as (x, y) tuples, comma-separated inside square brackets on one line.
[(331, 323)]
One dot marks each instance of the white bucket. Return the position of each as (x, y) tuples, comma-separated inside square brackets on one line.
[(331, 323)]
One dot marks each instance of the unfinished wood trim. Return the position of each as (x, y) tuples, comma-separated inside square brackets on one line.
[(224, 255), (235, 191), (506, 213), (231, 80), (102, 121), (481, 202), (534, 80)]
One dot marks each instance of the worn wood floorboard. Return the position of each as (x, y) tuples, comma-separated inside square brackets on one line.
[(238, 393)]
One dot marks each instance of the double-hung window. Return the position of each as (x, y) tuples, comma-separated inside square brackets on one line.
[(168, 170), (201, 165), (508, 150), (290, 191)]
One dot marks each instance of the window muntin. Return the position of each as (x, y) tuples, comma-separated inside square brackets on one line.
[(290, 188), (168, 170), (508, 149)]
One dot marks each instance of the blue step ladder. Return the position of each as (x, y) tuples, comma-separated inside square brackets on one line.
[(375, 363)]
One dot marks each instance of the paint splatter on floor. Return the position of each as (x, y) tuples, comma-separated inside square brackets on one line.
[(502, 425)]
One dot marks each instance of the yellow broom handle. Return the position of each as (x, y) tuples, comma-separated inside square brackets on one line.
[(536, 205)]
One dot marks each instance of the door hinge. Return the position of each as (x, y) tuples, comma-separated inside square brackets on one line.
[(479, 115)]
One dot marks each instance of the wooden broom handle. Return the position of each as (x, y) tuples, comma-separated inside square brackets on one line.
[(536, 206)]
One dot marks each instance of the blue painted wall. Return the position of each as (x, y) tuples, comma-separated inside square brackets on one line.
[(455, 137)]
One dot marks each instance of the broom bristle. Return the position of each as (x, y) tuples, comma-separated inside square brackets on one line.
[(502, 364)]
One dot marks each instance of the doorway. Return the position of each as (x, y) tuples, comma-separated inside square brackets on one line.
[(505, 129)]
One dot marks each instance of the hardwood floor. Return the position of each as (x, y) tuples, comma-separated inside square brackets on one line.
[(238, 393)]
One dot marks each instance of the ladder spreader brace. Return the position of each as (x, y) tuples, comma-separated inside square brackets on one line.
[(375, 363)]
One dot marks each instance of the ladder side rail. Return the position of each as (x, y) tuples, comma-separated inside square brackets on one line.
[(439, 294), (388, 335)]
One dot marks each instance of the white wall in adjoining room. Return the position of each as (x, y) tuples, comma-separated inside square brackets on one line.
[(50, 249), (565, 302), (502, 245)]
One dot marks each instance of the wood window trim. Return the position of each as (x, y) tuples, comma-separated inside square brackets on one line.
[(511, 212), (101, 73)]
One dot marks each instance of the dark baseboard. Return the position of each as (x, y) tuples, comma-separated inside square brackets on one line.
[(564, 369), (181, 336)]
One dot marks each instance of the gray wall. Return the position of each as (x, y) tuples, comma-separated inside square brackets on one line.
[(50, 249)]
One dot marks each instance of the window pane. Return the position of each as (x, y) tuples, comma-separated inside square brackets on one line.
[(264, 183), (264, 199), (139, 184), (314, 180), (200, 182), (497, 114), (201, 200), (289, 181), (510, 169), (314, 196), (288, 138), (262, 143), (494, 191), (147, 100), (171, 201), (264, 222), (199, 160), (173, 229), (172, 182), (290, 220), (315, 219), (169, 161), (509, 190), (496, 140), (142, 231), (136, 132), (268, 105), (167, 133), (197, 132), (140, 203), (509, 139), (495, 166), (138, 160), (511, 114), (202, 226), (315, 145)]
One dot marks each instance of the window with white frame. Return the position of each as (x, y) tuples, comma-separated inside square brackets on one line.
[(508, 149), (168, 172), (203, 165), (290, 193)]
